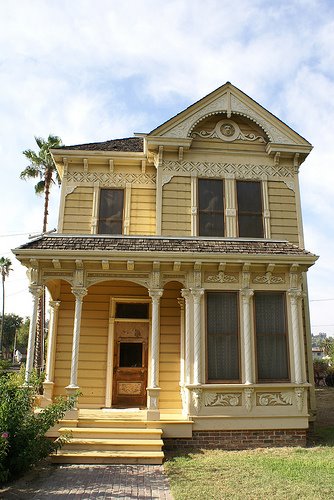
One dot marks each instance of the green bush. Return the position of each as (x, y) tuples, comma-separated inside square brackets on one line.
[(22, 429)]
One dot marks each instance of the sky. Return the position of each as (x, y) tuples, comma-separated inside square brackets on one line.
[(93, 70)]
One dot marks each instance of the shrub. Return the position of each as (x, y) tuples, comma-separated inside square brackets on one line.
[(320, 368), (330, 377), (22, 429)]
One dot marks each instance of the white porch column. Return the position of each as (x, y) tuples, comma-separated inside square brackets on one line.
[(197, 294), (36, 292), (182, 339), (154, 390), (79, 293), (187, 352), (187, 355), (50, 358), (246, 295), (295, 297)]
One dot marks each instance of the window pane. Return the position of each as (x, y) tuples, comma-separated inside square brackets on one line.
[(131, 310), (249, 196), (211, 225), (271, 341), (211, 207), (130, 354), (111, 211), (222, 335), (250, 226), (250, 209)]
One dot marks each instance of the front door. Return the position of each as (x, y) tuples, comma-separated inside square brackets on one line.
[(130, 364)]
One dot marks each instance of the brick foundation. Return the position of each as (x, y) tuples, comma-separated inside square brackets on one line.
[(237, 440)]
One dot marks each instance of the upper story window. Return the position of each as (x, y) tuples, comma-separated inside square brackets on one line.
[(250, 220), (111, 211), (211, 207)]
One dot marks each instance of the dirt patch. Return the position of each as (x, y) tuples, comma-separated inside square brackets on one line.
[(325, 406)]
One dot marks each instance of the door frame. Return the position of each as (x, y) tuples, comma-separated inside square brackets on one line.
[(111, 338)]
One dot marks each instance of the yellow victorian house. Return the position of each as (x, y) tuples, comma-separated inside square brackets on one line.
[(178, 283)]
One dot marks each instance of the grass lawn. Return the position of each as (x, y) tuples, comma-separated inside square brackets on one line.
[(273, 473)]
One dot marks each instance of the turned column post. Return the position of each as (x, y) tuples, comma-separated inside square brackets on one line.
[(79, 293), (197, 294), (50, 358), (36, 292), (246, 295), (154, 390), (295, 298)]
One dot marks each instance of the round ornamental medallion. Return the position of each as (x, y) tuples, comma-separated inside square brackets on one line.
[(227, 130)]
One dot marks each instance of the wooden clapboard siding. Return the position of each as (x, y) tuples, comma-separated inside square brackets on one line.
[(283, 213), (176, 206), (78, 211), (170, 348), (93, 338), (142, 211)]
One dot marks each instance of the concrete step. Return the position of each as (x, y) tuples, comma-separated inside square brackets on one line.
[(111, 433), (108, 457), (113, 444)]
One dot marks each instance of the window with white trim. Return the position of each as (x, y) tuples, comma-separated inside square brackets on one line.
[(111, 207), (211, 207), (271, 336), (222, 336)]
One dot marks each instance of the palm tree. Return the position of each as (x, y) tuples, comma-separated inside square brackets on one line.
[(4, 270), (41, 166)]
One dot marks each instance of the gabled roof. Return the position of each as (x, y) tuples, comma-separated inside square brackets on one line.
[(232, 101)]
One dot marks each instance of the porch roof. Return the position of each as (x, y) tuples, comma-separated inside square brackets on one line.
[(161, 244)]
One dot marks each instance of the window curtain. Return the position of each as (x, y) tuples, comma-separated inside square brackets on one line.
[(271, 341), (222, 336)]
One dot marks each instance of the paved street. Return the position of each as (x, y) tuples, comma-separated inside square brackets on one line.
[(83, 482)]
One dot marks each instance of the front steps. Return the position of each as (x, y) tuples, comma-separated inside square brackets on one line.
[(110, 442)]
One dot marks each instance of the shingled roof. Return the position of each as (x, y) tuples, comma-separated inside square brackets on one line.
[(60, 242), (129, 144)]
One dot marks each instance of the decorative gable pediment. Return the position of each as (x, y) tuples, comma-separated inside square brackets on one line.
[(231, 103)]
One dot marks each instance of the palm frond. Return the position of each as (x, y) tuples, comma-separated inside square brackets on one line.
[(30, 171), (39, 187)]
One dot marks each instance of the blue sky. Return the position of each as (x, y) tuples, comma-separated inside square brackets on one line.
[(95, 70)]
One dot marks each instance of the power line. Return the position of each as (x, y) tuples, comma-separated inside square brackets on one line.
[(319, 300), (18, 234)]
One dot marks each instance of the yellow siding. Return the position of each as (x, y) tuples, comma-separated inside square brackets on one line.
[(142, 211), (283, 213), (170, 348), (78, 211), (176, 206)]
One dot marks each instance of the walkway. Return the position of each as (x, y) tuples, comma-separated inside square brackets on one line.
[(74, 482)]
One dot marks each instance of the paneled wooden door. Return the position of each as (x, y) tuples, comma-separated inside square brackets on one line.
[(130, 364)]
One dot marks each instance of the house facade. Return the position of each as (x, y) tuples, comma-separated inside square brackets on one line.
[(178, 277)]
